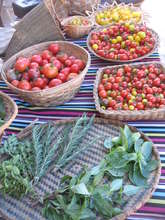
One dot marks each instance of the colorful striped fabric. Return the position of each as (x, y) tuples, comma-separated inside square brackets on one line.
[(83, 102)]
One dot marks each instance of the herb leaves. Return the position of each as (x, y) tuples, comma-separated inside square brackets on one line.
[(100, 190), (40, 153)]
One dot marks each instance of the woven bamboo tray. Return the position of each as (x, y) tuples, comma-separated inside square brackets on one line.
[(57, 95), (11, 112), (13, 209), (127, 114), (156, 46)]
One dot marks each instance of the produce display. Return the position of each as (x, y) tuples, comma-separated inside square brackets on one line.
[(79, 21), (118, 14), (122, 42), (101, 191), (132, 88), (2, 112), (44, 70)]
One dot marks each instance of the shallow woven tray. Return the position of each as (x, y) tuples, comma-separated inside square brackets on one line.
[(56, 95), (21, 210), (127, 114), (156, 46), (11, 112)]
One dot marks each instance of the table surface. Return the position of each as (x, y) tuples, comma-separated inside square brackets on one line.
[(83, 102)]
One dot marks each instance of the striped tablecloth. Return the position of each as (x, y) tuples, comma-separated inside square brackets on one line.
[(83, 102)]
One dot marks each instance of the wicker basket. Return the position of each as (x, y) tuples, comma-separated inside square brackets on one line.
[(76, 31), (57, 95), (127, 114), (11, 112), (156, 46), (91, 157)]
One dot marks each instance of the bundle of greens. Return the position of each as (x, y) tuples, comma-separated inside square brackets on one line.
[(28, 161), (2, 112), (100, 191)]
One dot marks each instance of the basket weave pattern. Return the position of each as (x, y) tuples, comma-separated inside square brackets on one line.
[(56, 95), (126, 114), (90, 157), (11, 112)]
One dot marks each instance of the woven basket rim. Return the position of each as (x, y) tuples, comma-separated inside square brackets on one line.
[(55, 89), (14, 106), (123, 113), (156, 46), (25, 132)]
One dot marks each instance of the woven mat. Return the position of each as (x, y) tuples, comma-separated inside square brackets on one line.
[(83, 102)]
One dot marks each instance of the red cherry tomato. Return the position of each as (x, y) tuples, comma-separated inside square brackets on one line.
[(68, 62), (62, 77), (80, 63), (57, 64), (39, 82), (33, 73), (15, 83), (75, 68), (103, 94), (66, 71), (62, 57), (46, 55), (25, 76), (34, 65)]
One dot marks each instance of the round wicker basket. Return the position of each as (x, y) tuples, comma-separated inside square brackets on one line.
[(92, 156), (156, 46), (56, 95), (11, 112), (126, 114), (76, 31)]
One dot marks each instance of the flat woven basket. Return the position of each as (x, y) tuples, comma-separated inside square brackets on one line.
[(13, 209), (11, 112), (155, 48), (56, 95), (127, 114)]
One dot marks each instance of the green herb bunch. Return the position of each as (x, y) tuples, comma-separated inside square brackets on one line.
[(100, 191), (2, 112), (42, 152)]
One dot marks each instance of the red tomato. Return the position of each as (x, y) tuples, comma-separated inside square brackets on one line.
[(34, 65), (21, 64), (68, 62), (25, 76), (156, 82), (108, 86), (62, 77), (37, 58), (39, 82), (62, 57), (101, 87), (72, 76), (58, 64), (50, 71), (80, 63), (36, 89), (140, 106), (74, 68), (124, 93), (54, 48), (24, 85), (33, 73), (46, 55), (72, 58), (15, 83), (55, 82), (44, 62), (66, 71)]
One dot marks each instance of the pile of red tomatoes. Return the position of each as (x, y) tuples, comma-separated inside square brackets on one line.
[(132, 88), (44, 70), (122, 42)]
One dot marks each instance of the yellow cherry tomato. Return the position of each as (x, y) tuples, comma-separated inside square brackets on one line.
[(137, 38), (130, 37), (95, 46), (134, 93), (123, 44), (114, 41), (119, 39), (131, 107), (142, 34)]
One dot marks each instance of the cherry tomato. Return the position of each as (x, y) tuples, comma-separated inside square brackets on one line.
[(25, 76), (62, 57), (80, 63), (156, 82), (62, 77), (46, 55), (68, 62), (57, 64), (75, 68), (103, 94), (66, 71), (34, 65), (33, 73), (15, 83)]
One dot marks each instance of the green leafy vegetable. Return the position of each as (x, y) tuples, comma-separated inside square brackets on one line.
[(2, 112)]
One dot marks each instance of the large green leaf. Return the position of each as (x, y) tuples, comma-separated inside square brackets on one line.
[(138, 145), (80, 189), (108, 143), (152, 165), (116, 185), (130, 190), (146, 150), (118, 172), (138, 179)]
